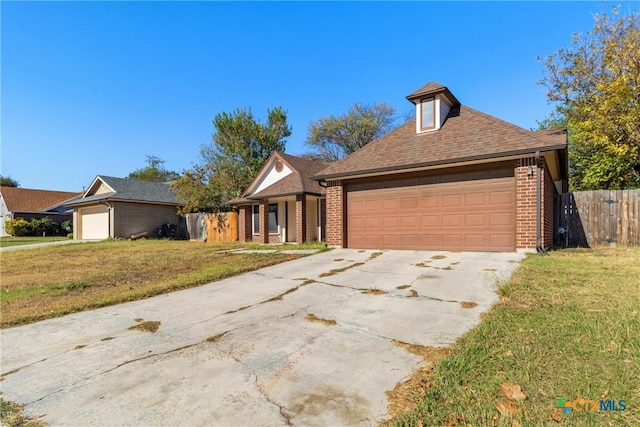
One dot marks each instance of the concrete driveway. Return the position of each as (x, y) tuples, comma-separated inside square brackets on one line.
[(311, 342)]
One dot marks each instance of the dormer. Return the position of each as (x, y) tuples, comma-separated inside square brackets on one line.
[(433, 103)]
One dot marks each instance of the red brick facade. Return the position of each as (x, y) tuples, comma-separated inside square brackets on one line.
[(334, 213), (244, 224), (264, 221), (301, 218), (526, 204)]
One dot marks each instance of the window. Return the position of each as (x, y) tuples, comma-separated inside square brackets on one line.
[(256, 219), (427, 114), (273, 219)]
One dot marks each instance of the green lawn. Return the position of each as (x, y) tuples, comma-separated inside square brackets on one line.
[(19, 241), (567, 327)]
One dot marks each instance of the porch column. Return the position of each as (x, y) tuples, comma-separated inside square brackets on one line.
[(264, 221), (244, 223), (301, 218)]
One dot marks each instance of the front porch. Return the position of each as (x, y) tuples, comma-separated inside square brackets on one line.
[(286, 219)]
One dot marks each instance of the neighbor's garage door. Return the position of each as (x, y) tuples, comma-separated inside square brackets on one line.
[(95, 223), (472, 211)]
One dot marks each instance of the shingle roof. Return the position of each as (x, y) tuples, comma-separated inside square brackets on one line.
[(432, 88), (298, 182), (131, 190), (29, 200), (466, 135)]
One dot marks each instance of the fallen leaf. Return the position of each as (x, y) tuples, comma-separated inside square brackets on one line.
[(515, 423), (512, 391), (605, 394), (556, 416), (419, 423), (509, 353), (506, 408)]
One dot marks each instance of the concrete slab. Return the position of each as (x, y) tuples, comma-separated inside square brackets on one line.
[(302, 343)]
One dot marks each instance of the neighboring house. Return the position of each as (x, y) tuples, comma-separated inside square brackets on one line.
[(122, 207), (282, 203), (28, 204), (452, 178)]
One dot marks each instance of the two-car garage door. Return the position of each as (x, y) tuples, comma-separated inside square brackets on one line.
[(473, 211)]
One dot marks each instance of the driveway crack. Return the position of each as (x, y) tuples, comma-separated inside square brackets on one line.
[(283, 413)]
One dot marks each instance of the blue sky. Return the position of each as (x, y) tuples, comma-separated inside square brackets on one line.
[(92, 88)]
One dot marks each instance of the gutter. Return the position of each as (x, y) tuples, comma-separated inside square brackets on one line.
[(109, 208)]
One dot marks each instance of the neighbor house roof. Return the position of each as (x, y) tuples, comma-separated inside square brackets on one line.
[(126, 189), (29, 200), (466, 135), (297, 182)]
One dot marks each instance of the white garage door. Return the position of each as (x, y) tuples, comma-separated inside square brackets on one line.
[(95, 223)]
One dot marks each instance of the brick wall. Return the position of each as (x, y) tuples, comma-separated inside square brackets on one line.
[(301, 218), (526, 205), (264, 221), (334, 212), (245, 223)]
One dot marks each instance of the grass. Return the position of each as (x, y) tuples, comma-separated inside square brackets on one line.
[(52, 281), (11, 416), (6, 242), (567, 326)]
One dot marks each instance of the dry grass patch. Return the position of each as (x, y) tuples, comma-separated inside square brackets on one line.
[(216, 338), (438, 257), (375, 255), (406, 395), (374, 291), (403, 286), (468, 304), (313, 318), (66, 279), (11, 415), (340, 270), (146, 326)]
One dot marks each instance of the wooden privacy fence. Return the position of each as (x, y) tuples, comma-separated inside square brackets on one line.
[(601, 217), (212, 227)]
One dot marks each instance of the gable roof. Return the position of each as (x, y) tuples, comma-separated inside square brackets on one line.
[(127, 189), (30, 200), (466, 135), (297, 182)]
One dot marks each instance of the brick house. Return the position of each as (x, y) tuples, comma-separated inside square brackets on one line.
[(452, 178), (28, 204), (122, 207), (282, 203)]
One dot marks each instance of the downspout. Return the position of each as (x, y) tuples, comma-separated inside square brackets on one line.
[(539, 247), (109, 208)]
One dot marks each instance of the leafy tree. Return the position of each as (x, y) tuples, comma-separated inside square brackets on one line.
[(154, 171), (7, 181), (332, 138), (241, 144), (596, 83)]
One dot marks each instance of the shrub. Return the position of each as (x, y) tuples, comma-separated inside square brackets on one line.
[(17, 227)]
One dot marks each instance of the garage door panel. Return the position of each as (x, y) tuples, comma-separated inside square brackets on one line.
[(452, 220), (467, 211)]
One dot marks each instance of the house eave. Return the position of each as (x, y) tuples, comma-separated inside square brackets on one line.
[(460, 161)]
